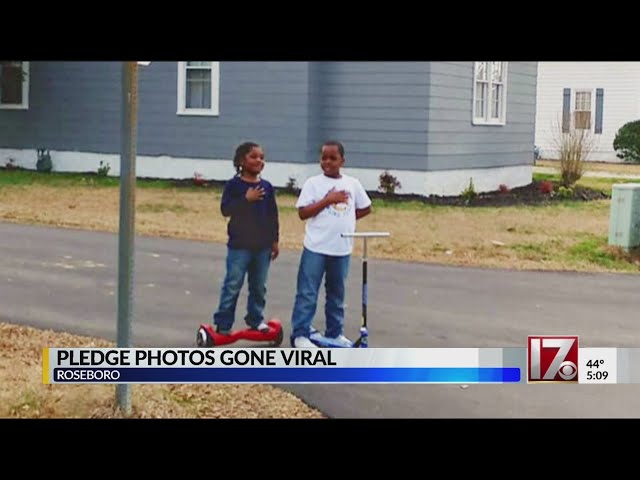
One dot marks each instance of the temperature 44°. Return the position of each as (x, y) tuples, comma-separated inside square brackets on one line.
[(595, 363)]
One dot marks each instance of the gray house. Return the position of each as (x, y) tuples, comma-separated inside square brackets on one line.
[(434, 125)]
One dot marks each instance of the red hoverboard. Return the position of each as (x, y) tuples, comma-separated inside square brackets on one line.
[(207, 336)]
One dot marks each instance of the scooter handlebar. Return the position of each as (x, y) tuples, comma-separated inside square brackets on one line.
[(366, 234)]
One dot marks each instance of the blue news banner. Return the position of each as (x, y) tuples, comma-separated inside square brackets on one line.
[(340, 365)]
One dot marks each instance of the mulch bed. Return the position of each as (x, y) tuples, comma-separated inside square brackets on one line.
[(537, 192)]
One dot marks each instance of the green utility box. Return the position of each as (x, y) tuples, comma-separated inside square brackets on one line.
[(624, 220)]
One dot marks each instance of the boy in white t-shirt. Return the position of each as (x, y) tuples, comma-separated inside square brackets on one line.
[(331, 203)]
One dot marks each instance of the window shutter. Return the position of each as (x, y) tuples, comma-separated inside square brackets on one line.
[(566, 110), (599, 105)]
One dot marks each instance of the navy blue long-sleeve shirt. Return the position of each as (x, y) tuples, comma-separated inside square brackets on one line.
[(252, 225)]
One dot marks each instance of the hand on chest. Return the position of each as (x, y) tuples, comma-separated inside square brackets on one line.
[(341, 199)]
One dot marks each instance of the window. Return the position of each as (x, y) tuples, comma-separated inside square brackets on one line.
[(198, 88), (490, 93), (582, 110), (14, 85)]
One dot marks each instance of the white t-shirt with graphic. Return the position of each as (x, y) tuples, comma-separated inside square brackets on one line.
[(323, 233)]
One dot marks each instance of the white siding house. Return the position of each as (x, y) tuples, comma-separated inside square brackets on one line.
[(597, 96)]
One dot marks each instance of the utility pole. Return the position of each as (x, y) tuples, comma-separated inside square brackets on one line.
[(128, 134)]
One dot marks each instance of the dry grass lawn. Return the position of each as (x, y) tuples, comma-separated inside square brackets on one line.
[(549, 237), (24, 396), (626, 168)]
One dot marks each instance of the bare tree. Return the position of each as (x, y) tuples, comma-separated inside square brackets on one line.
[(574, 145)]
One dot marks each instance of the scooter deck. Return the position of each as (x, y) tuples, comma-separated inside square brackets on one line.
[(208, 337)]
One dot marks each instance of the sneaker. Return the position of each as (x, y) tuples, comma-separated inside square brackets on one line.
[(303, 342), (339, 341), (315, 335), (223, 331), (262, 328)]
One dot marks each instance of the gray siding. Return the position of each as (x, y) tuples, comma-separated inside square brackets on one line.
[(76, 106), (395, 115), (266, 102), (455, 143), (377, 109), (72, 106), (314, 131)]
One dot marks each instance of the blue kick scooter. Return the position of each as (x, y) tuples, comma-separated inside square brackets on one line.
[(363, 341)]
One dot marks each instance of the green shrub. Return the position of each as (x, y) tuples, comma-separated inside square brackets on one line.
[(469, 193), (44, 163), (388, 183), (565, 192), (103, 169), (627, 142)]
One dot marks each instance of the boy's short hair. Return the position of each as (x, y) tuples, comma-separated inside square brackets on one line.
[(333, 143)]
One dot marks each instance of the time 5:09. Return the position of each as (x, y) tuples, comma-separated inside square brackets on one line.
[(598, 375)]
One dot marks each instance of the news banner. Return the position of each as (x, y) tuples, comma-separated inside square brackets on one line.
[(545, 359)]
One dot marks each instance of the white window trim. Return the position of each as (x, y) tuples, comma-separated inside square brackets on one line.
[(487, 120), (215, 92), (592, 118), (25, 92)]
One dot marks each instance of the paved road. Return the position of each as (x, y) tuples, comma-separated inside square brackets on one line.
[(66, 279)]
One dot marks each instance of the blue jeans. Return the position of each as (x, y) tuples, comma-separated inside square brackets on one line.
[(313, 266), (254, 264)]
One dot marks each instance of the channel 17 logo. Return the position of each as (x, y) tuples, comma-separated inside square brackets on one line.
[(553, 359)]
